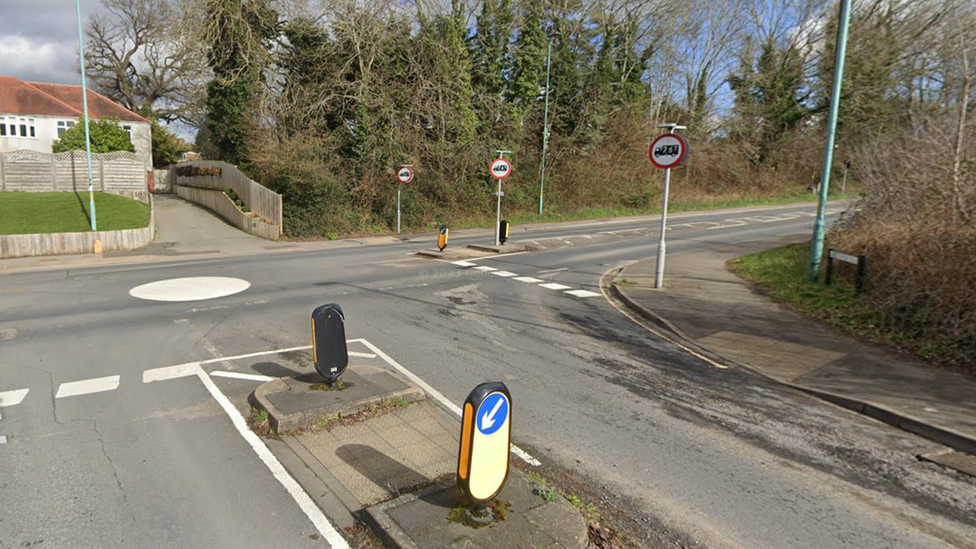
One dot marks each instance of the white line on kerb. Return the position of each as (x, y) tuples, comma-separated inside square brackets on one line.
[(238, 375), (362, 355), (12, 398), (294, 489), (88, 386), (441, 398)]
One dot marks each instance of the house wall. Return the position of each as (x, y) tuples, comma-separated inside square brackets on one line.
[(46, 131)]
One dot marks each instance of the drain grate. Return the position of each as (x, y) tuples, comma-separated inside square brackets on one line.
[(964, 463), (8, 333)]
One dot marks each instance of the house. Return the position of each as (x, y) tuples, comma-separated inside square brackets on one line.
[(34, 114)]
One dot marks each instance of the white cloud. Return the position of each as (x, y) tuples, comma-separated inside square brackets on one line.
[(37, 61)]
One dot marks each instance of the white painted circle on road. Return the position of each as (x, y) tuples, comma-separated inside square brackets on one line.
[(196, 288)]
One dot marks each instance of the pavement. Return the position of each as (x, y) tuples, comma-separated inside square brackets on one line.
[(712, 311), (380, 452)]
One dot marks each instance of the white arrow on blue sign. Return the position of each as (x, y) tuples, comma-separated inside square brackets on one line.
[(492, 413)]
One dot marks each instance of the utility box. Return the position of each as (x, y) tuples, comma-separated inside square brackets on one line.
[(329, 342)]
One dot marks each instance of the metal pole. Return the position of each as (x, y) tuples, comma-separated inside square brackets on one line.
[(498, 217), (84, 100), (661, 246), (817, 244), (545, 131), (398, 207)]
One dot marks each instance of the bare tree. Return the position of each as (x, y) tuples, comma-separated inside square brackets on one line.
[(147, 56)]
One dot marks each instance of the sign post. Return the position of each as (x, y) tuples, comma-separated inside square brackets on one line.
[(404, 175), (500, 169), (667, 151), (486, 438)]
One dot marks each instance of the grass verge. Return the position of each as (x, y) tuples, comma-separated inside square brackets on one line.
[(781, 273), (67, 212)]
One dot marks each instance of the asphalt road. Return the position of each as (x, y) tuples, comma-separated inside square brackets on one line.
[(689, 452)]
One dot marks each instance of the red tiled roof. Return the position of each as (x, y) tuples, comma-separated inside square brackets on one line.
[(40, 99)]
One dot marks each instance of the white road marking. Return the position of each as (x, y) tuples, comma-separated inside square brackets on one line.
[(12, 398), (525, 456), (3, 439), (582, 293), (554, 286), (527, 279), (308, 506), (554, 270), (195, 288), (238, 375), (170, 372), (362, 355), (463, 263), (88, 386), (252, 355), (504, 274), (485, 268)]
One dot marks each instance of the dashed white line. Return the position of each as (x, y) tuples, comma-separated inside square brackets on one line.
[(554, 270), (88, 386), (12, 398), (3, 439), (485, 268), (504, 274), (362, 355), (527, 279), (239, 375), (463, 263), (554, 286), (170, 372), (582, 293)]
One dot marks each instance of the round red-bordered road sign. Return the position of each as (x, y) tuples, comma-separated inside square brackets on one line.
[(405, 174), (501, 168), (668, 151)]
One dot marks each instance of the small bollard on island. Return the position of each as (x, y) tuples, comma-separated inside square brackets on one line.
[(329, 350), (486, 438)]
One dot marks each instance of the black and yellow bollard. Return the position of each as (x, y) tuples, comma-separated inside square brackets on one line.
[(442, 237), (502, 231)]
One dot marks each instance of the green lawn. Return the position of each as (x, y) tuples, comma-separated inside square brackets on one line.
[(67, 212)]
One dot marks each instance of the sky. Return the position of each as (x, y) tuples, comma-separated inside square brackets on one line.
[(39, 39)]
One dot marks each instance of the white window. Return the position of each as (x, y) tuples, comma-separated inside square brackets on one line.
[(128, 129), (63, 126), (26, 126)]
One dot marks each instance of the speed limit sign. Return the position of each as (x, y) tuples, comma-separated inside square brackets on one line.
[(405, 174), (501, 168)]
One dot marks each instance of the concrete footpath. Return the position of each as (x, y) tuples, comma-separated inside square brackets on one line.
[(713, 311)]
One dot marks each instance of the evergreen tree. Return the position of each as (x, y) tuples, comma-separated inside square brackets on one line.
[(104, 134)]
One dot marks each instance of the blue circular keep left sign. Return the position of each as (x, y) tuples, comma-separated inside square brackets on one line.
[(492, 413)]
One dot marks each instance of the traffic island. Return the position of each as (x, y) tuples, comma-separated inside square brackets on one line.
[(508, 248), (429, 518), (301, 401)]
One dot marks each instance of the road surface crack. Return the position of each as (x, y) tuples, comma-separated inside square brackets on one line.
[(111, 464)]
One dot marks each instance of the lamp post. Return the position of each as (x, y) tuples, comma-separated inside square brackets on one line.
[(817, 244), (84, 100), (545, 130)]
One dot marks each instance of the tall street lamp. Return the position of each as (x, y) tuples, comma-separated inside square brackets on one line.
[(817, 244), (84, 100)]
